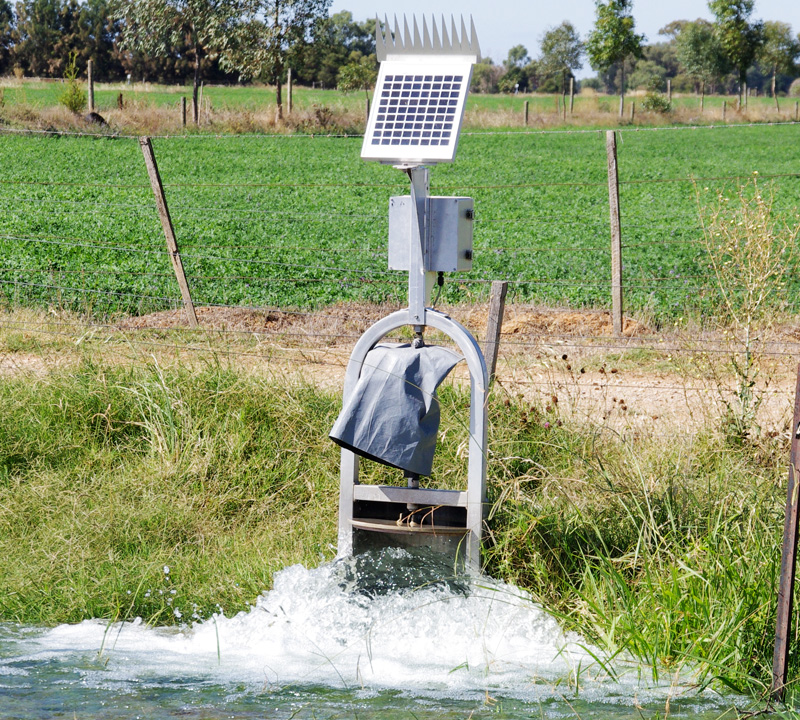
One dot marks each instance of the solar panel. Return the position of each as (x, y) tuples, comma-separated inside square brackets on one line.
[(419, 97)]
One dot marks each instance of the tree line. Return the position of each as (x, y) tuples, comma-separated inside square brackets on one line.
[(730, 54), (179, 41), (175, 41)]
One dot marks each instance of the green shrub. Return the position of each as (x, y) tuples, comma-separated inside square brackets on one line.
[(73, 98), (656, 102)]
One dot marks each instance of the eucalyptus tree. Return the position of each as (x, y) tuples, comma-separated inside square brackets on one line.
[(779, 51), (562, 51), (155, 27), (700, 54), (613, 40), (360, 73), (6, 25), (333, 43), (739, 37), (263, 35)]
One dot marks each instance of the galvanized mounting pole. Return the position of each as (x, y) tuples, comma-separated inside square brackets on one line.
[(166, 224), (420, 279), (783, 626)]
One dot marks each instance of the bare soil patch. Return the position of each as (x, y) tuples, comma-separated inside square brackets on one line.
[(565, 360)]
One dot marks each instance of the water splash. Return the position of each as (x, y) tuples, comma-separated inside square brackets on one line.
[(385, 622)]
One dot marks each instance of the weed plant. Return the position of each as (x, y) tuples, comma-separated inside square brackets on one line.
[(751, 250)]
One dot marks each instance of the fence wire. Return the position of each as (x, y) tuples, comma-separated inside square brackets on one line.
[(289, 240)]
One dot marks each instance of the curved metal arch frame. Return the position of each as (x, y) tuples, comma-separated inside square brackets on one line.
[(479, 386)]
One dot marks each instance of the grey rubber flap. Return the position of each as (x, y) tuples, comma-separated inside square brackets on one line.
[(392, 416)]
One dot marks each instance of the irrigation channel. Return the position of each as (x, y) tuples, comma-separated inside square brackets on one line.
[(387, 634)]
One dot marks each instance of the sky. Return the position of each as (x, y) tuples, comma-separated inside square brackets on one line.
[(502, 24)]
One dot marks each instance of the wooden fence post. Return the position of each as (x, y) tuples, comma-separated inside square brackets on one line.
[(669, 90), (90, 82), (289, 89), (526, 113), (783, 625), (166, 224), (494, 325), (633, 111), (183, 111), (797, 110), (724, 109), (616, 233), (571, 94)]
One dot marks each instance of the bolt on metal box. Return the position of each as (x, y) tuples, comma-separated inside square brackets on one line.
[(448, 237)]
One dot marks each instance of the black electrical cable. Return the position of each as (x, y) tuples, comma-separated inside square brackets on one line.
[(440, 284)]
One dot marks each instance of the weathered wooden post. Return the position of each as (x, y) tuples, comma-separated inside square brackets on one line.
[(724, 109), (183, 111), (783, 625), (166, 224), (571, 94), (290, 89), (90, 79), (494, 325), (616, 232), (633, 111), (526, 113), (669, 90)]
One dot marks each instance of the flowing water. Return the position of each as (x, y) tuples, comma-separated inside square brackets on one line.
[(381, 636)]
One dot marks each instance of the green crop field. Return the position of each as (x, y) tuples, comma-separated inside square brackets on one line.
[(301, 221)]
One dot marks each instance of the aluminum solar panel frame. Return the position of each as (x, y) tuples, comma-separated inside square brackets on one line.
[(420, 94)]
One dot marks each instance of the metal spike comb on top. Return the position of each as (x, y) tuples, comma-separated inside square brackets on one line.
[(404, 41)]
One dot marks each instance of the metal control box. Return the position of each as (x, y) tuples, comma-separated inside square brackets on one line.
[(448, 236)]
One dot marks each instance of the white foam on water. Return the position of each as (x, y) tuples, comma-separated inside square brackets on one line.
[(316, 628)]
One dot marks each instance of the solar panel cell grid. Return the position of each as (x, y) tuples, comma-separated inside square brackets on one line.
[(417, 110)]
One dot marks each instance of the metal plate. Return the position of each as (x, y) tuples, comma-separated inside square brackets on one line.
[(390, 526)]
